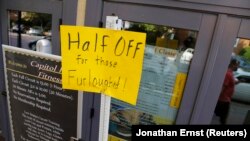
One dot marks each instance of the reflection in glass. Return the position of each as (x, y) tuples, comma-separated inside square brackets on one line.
[(239, 106), (168, 54), (242, 53), (26, 28)]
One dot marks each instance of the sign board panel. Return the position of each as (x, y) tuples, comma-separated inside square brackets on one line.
[(38, 106)]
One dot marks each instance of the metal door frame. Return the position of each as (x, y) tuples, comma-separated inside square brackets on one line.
[(198, 21), (203, 23), (217, 47), (227, 30)]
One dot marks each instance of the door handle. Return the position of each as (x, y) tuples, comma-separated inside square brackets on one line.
[(4, 93)]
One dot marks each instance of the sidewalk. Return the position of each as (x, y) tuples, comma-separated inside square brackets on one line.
[(237, 114), (1, 138)]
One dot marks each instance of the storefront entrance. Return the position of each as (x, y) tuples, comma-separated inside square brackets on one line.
[(189, 45), (168, 29)]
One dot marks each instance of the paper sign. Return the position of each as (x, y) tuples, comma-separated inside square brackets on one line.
[(178, 90), (103, 61)]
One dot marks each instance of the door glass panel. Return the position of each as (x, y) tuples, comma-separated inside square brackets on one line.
[(167, 58), (26, 28), (240, 104)]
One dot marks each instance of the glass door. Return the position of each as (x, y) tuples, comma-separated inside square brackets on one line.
[(27, 21), (27, 28), (238, 110), (177, 47), (167, 59)]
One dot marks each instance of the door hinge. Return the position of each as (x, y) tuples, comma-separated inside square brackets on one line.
[(100, 24), (92, 112), (60, 23), (4, 93)]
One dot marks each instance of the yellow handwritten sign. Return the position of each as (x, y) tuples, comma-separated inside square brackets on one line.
[(102, 60)]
